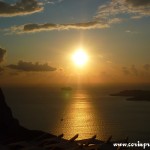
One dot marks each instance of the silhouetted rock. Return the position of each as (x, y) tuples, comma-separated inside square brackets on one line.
[(10, 129), (134, 95), (7, 122)]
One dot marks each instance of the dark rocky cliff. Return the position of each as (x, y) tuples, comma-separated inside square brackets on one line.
[(8, 123), (10, 129)]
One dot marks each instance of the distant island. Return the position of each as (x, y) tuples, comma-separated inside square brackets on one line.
[(134, 95)]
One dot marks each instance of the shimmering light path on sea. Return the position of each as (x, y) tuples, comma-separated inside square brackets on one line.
[(80, 117)]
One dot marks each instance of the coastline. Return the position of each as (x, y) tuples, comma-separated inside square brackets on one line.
[(134, 95)]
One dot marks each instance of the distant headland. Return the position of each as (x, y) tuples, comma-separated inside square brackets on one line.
[(134, 95)]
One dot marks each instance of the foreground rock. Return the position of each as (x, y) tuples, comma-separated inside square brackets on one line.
[(10, 129), (134, 95)]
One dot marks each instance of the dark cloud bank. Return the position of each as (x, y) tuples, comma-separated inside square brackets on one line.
[(138, 2), (29, 66), (32, 27), (22, 7)]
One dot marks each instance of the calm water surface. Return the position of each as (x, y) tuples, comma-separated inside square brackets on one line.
[(86, 111)]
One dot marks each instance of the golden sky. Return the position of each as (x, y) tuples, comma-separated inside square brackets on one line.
[(39, 40)]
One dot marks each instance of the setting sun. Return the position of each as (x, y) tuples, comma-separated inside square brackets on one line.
[(80, 57)]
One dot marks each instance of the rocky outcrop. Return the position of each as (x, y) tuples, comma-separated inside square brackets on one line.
[(8, 123), (10, 129)]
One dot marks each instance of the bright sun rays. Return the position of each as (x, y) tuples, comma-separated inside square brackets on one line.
[(80, 57)]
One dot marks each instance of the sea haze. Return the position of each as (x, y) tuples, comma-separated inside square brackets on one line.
[(86, 111)]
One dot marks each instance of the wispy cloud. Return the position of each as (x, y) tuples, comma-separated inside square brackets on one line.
[(131, 70), (134, 8), (51, 1), (125, 70), (134, 70), (29, 66), (140, 71), (146, 67), (23, 7), (28, 28), (106, 15), (132, 31), (2, 54), (138, 3)]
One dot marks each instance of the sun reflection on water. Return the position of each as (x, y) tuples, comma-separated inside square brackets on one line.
[(79, 117)]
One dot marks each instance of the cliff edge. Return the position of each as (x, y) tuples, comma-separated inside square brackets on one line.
[(10, 128)]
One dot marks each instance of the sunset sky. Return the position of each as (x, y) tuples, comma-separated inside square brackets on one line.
[(39, 37)]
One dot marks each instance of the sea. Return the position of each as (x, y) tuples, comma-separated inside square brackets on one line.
[(86, 110)]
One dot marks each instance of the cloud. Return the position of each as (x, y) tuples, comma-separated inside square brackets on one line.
[(23, 7), (128, 31), (131, 32), (134, 8), (146, 67), (138, 3), (2, 54), (134, 70), (29, 66), (106, 15), (51, 1), (28, 28), (125, 70), (130, 70)]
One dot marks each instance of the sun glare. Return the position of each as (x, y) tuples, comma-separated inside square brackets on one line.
[(80, 57)]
